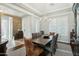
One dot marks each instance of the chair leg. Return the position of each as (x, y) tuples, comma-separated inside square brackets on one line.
[(51, 54)]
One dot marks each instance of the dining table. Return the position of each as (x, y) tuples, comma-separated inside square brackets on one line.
[(43, 42)]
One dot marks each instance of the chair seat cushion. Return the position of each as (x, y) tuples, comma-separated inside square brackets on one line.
[(37, 51)]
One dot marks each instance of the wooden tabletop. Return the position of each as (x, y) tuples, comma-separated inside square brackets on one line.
[(41, 41)]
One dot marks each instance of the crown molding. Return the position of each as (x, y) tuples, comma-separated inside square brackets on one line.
[(28, 10), (59, 12), (31, 9), (35, 12), (17, 8)]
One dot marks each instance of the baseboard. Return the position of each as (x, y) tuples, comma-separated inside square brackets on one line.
[(63, 42)]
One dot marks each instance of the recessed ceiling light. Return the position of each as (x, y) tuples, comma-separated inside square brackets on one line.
[(51, 4)]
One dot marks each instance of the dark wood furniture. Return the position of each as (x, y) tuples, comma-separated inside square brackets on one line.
[(3, 48), (75, 47), (45, 41), (36, 35), (54, 44), (41, 42), (18, 35), (52, 33), (56, 38), (42, 32), (46, 37)]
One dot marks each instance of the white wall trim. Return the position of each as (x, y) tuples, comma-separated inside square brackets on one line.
[(28, 7), (58, 15), (14, 7), (25, 10), (31, 11), (61, 11), (58, 10)]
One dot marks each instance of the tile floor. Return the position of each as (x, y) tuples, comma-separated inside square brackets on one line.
[(63, 50)]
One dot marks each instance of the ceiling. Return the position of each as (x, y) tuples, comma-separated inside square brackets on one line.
[(38, 9), (8, 9), (45, 8)]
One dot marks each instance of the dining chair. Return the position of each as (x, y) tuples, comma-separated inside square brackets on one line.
[(56, 38), (3, 49), (31, 49), (53, 45), (52, 33)]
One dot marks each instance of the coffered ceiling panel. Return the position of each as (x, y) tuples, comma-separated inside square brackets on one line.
[(38, 9), (45, 8)]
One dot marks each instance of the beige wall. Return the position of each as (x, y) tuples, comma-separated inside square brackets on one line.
[(17, 24)]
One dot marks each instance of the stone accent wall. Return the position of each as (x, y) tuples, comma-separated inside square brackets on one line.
[(17, 24)]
